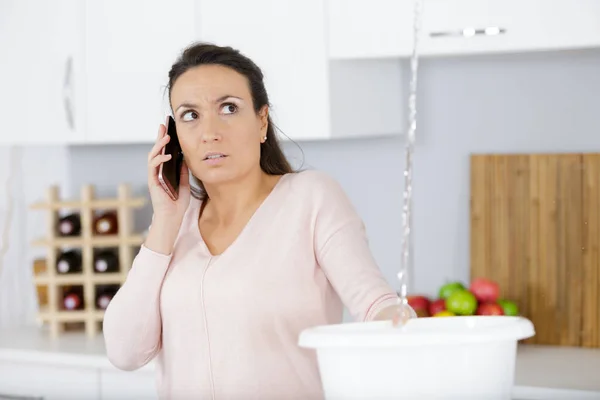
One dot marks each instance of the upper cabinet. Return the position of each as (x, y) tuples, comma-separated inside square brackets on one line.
[(41, 73), (496, 26), (361, 29), (369, 28), (96, 72), (129, 49), (287, 40)]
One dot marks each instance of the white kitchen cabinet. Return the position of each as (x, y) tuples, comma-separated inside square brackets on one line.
[(32, 380), (117, 385), (287, 40), (129, 49), (41, 72), (528, 25), (369, 28), (384, 28), (47, 382)]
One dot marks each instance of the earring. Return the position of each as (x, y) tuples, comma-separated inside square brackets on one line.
[(264, 139)]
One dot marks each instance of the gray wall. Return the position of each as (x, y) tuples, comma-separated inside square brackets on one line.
[(543, 102)]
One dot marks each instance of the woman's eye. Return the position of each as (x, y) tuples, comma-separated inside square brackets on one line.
[(189, 115), (229, 108)]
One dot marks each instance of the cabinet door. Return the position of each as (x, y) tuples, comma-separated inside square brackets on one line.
[(459, 26), (48, 382), (361, 29), (287, 40), (139, 385), (370, 28), (130, 46), (40, 73)]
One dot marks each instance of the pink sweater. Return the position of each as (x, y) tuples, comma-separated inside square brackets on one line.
[(227, 327)]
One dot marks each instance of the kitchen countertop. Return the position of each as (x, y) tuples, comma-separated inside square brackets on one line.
[(69, 349), (553, 372), (542, 372)]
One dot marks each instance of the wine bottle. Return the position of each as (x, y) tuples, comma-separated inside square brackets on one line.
[(69, 262), (104, 295), (106, 261), (106, 224), (73, 299), (69, 225)]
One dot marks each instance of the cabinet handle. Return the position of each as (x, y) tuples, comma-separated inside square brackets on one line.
[(4, 396), (469, 32), (68, 94)]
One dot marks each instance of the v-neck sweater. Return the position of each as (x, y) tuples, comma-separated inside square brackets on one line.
[(227, 327)]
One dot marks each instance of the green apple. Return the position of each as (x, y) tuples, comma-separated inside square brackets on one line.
[(461, 302), (447, 289), (509, 307)]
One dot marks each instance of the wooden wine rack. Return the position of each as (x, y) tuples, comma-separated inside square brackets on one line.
[(125, 241)]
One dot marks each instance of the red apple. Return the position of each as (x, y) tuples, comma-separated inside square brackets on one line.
[(418, 302), (437, 306), (422, 313), (489, 309), (485, 290)]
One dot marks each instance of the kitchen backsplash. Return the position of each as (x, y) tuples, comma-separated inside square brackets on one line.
[(538, 102), (543, 102)]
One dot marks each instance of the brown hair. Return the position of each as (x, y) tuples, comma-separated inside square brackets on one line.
[(272, 158)]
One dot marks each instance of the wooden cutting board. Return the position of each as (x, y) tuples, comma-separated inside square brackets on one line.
[(535, 229)]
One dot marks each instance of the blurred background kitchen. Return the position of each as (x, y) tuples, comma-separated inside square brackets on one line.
[(503, 85)]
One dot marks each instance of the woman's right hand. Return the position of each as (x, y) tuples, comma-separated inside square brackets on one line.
[(167, 213)]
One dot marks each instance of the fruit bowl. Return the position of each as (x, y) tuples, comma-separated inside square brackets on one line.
[(464, 357)]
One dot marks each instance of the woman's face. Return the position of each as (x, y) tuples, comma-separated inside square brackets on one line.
[(219, 131)]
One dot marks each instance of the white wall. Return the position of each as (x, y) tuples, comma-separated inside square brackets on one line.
[(25, 175), (544, 102), (519, 103)]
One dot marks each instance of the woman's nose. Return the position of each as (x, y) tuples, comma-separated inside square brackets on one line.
[(210, 130)]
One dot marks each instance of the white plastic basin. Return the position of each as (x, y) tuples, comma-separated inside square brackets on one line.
[(429, 358)]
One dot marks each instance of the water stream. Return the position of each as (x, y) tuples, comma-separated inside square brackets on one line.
[(407, 232)]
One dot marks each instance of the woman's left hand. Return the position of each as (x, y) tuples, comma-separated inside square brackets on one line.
[(399, 314)]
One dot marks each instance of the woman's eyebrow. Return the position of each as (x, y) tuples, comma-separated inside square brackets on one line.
[(227, 96), (186, 105), (220, 99)]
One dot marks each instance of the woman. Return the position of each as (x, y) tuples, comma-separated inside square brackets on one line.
[(234, 270)]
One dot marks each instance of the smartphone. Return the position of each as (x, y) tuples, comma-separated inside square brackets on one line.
[(169, 172)]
